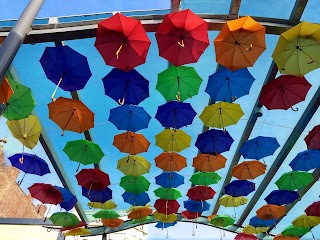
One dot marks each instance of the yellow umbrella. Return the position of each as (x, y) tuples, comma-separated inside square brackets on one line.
[(77, 232), (298, 49), (222, 114), (106, 205), (254, 230), (173, 140), (306, 221), (133, 208), (229, 201), (133, 165), (165, 218)]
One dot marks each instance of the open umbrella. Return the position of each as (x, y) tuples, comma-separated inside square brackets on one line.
[(173, 140), (238, 188), (258, 222), (190, 215), (222, 221), (306, 160), (182, 37), (167, 193), (165, 225), (205, 178), (245, 236), (97, 195), (5, 91), (200, 193), (141, 212), (196, 206), (313, 209), (169, 180), (64, 219), (306, 221), (170, 161), (229, 201), (69, 200), (140, 199), (133, 165), (79, 225), (142, 220), (106, 205), (293, 231), (254, 230), (166, 206), (281, 197), (209, 162), (249, 170), (93, 179), (122, 42), (165, 218), (240, 43), (313, 138), (112, 222), (270, 211), (294, 180), (77, 232), (281, 237), (135, 184), (106, 214), (130, 142)]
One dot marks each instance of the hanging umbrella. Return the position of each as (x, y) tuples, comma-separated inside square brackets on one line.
[(221, 115), (296, 52), (178, 83), (141, 220), (112, 222), (175, 114), (64, 219), (313, 138), (77, 232), (69, 200), (169, 180), (240, 43), (97, 195), (306, 221), (258, 222), (170, 161), (229, 201), (134, 184), (313, 209), (5, 91), (190, 215), (238, 188), (165, 218), (284, 92), (227, 86), (306, 160), (122, 42), (293, 231), (281, 197), (79, 225), (245, 236), (173, 140), (133, 208), (254, 230), (129, 118), (140, 199), (130, 142), (182, 37), (93, 179), (133, 165), (84, 152), (71, 115), (139, 213), (270, 211), (201, 193), (106, 205), (168, 193), (205, 178), (294, 180), (281, 237), (106, 214), (249, 170), (208, 162), (222, 221), (214, 141), (166, 206), (165, 225), (66, 68), (196, 206)]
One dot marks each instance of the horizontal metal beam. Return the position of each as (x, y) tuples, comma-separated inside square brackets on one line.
[(234, 7), (25, 221)]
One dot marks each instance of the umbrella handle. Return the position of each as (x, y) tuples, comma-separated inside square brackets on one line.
[(118, 51), (121, 101), (62, 133), (294, 109), (167, 236), (55, 90), (181, 43), (49, 229), (249, 49), (178, 96)]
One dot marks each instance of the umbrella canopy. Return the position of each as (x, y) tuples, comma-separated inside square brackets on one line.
[(134, 184), (270, 211), (93, 179), (175, 114), (77, 232), (214, 141), (293, 231), (306, 221), (238, 188), (97, 195), (129, 118), (313, 209), (69, 200), (166, 206), (221, 115), (258, 222), (5, 91), (64, 219), (79, 225), (141, 212), (249, 170), (205, 178), (281, 197), (313, 138), (106, 205), (281, 237), (182, 37), (141, 220), (122, 42), (169, 180), (245, 236), (112, 222), (173, 140), (71, 115), (229, 201), (297, 50), (106, 214), (130, 142), (306, 160), (254, 230), (165, 218), (201, 193), (294, 180), (240, 43), (165, 225), (284, 92), (170, 161), (196, 206), (227, 86), (178, 83), (190, 215), (140, 199), (126, 87), (168, 193), (209, 162), (46, 193), (133, 165), (222, 221)]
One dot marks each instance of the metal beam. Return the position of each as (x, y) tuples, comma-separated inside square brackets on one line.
[(234, 7), (298, 9)]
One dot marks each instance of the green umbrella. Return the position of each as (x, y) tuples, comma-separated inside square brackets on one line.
[(293, 231), (168, 193), (21, 103), (178, 83), (205, 178), (134, 184), (141, 220), (106, 214), (294, 180), (84, 152), (222, 221), (64, 219)]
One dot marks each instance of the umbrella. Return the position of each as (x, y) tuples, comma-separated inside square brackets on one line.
[(190, 215), (222, 221), (306, 160), (270, 211), (240, 43), (106, 214), (166, 206), (141, 220), (106, 205), (84, 152), (178, 83), (281, 197), (249, 170), (245, 236), (227, 86), (281, 237), (165, 225), (294, 180), (214, 141), (77, 232), (130, 142), (20, 104), (182, 37), (201, 193), (238, 188), (284, 92), (205, 178), (129, 118), (165, 218), (313, 138), (5, 91), (133, 165), (254, 230), (170, 161), (169, 180), (133, 208), (136, 199), (173, 140), (69, 200), (293, 231), (258, 222), (66, 68), (296, 52), (229, 201), (196, 206), (79, 225), (97, 195), (93, 179), (71, 115), (134, 184), (222, 114), (313, 209), (208, 162), (112, 222), (140, 212), (122, 42), (64, 219), (168, 193), (306, 221)]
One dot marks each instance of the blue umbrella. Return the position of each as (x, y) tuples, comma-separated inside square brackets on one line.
[(196, 206), (239, 188), (306, 160), (280, 197), (140, 199), (169, 180), (69, 200), (165, 225), (96, 195), (258, 222), (175, 114), (126, 87), (214, 141), (29, 163), (129, 118)]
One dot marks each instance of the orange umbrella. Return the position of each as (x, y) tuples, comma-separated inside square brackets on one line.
[(5, 91), (71, 115), (281, 237), (270, 211), (240, 43), (112, 222), (249, 170), (140, 212), (208, 162), (130, 142), (170, 161)]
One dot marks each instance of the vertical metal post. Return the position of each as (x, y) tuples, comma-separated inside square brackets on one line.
[(11, 45), (104, 236)]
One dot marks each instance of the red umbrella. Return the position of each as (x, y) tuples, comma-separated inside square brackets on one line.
[(245, 236), (93, 179), (122, 42), (190, 215), (182, 37), (166, 206), (313, 209), (80, 224), (284, 92), (313, 138), (201, 193)]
